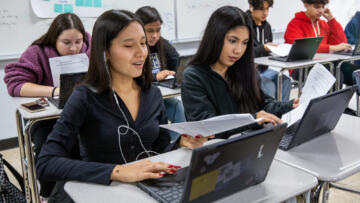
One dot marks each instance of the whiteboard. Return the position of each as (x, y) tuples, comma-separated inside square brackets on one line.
[(193, 15), (19, 26)]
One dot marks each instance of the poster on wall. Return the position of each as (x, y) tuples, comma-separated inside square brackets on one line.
[(51, 8)]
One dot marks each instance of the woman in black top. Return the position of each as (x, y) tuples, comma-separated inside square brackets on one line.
[(221, 78), (164, 58), (115, 114)]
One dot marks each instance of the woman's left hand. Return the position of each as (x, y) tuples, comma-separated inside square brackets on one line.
[(296, 103), (193, 142)]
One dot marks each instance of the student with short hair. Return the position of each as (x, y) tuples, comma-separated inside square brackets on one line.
[(115, 114), (352, 30), (164, 58), (31, 76), (258, 12), (222, 78), (308, 24)]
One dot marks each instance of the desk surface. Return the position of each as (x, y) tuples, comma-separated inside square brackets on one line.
[(352, 103), (330, 157), (282, 183), (54, 111), (318, 58)]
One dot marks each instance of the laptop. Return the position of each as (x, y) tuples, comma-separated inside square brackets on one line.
[(354, 52), (220, 169), (67, 83), (171, 83), (320, 117), (302, 49)]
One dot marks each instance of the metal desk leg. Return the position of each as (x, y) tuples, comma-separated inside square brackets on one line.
[(279, 85), (300, 81), (326, 191), (24, 165), (337, 87), (31, 164), (357, 105)]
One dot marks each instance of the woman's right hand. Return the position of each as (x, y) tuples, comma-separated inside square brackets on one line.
[(163, 74), (267, 118), (141, 170)]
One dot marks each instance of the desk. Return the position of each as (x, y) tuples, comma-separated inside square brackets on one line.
[(282, 183), (331, 157), (318, 58), (26, 151), (24, 138), (343, 59)]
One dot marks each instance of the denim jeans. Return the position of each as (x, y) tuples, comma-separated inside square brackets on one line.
[(269, 84), (175, 113)]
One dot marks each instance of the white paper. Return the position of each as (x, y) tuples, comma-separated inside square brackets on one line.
[(281, 49), (211, 126), (68, 64), (318, 83)]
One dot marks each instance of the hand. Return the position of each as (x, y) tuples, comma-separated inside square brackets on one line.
[(141, 170), (163, 74), (267, 118), (269, 44), (341, 47), (193, 142), (296, 103), (327, 14)]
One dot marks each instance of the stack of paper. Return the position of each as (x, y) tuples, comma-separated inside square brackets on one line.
[(280, 50)]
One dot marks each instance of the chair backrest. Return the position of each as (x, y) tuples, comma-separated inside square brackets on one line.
[(356, 77)]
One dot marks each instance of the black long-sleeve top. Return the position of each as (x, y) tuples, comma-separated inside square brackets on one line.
[(206, 94), (94, 118), (171, 58)]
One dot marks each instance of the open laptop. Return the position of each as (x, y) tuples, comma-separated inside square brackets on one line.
[(67, 83), (220, 169), (354, 52), (171, 83), (302, 49), (320, 117)]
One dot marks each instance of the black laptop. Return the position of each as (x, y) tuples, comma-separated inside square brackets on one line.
[(220, 169), (171, 83), (354, 52), (302, 49), (320, 117), (67, 83)]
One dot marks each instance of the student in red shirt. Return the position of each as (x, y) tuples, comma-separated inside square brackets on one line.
[(308, 24)]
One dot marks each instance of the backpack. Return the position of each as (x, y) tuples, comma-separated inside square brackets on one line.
[(8, 191)]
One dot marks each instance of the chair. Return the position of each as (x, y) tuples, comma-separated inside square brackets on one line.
[(356, 77)]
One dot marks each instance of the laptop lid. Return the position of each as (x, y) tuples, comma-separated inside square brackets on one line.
[(223, 168), (304, 48), (67, 83), (322, 115), (356, 51)]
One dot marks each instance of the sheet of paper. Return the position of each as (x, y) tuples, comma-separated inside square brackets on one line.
[(211, 126), (318, 83), (281, 49), (68, 64)]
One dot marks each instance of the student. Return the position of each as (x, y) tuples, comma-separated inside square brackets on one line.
[(308, 24), (222, 79), (164, 58), (31, 75), (115, 114), (258, 12), (352, 30)]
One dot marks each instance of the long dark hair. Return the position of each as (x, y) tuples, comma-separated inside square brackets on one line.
[(106, 28), (62, 22), (241, 76), (148, 14)]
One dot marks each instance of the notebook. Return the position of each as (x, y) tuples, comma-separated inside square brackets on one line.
[(320, 117), (354, 52), (220, 169), (302, 49), (67, 83)]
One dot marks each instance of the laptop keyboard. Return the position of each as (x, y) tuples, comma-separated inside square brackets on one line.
[(286, 139), (171, 193)]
